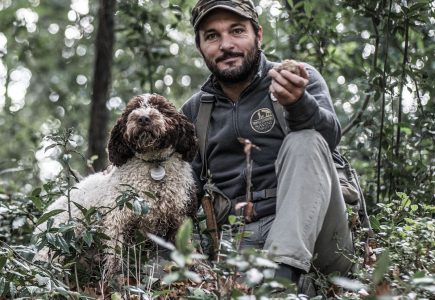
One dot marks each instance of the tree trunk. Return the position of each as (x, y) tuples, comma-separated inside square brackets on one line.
[(101, 83)]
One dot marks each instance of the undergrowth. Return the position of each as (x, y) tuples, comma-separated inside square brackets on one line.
[(404, 244)]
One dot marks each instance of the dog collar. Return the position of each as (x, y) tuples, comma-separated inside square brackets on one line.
[(157, 172), (156, 160)]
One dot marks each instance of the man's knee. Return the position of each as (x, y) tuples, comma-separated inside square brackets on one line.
[(307, 140), (304, 149)]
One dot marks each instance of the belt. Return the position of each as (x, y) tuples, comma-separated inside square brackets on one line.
[(257, 195), (262, 203)]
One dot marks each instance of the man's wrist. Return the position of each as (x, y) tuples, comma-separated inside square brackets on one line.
[(292, 103)]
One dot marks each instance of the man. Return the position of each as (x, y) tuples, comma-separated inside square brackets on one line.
[(300, 214)]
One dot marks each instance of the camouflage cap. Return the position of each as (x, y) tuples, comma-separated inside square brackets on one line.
[(244, 8)]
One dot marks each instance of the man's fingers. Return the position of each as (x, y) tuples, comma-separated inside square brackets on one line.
[(296, 80), (303, 71), (286, 86), (283, 81), (286, 78), (281, 92)]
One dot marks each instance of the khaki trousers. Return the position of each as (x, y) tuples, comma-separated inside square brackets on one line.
[(310, 228)]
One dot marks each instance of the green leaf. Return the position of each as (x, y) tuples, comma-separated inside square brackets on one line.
[(88, 238), (51, 239), (171, 277), (137, 207), (32, 289), (235, 294), (62, 291), (192, 276), (80, 207), (409, 221), (37, 202), (308, 8), (66, 227), (419, 274), (349, 284), (135, 289), (50, 223), (159, 241), (116, 296), (48, 215), (2, 285), (376, 225), (3, 260), (12, 289), (381, 267), (145, 208), (150, 194), (232, 219), (178, 258), (199, 293), (62, 244), (418, 7), (42, 280), (182, 240), (20, 264), (406, 130), (91, 211), (36, 192)]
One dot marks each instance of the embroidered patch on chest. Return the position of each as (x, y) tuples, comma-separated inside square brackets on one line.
[(262, 120)]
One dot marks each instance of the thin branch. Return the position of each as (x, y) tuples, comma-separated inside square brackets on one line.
[(405, 61), (76, 276), (381, 130), (356, 118), (417, 92)]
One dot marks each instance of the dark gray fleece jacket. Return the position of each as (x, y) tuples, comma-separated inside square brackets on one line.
[(252, 116)]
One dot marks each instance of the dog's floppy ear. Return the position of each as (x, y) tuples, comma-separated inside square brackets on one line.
[(119, 152), (187, 143)]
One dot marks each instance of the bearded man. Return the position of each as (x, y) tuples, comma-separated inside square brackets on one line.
[(299, 211)]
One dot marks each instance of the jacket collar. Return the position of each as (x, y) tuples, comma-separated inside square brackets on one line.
[(212, 86)]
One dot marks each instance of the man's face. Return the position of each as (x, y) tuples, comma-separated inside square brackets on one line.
[(229, 45)]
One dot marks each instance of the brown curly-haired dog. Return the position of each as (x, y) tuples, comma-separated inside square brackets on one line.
[(150, 147)]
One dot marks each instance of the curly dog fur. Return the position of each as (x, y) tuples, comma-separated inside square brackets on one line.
[(150, 132)]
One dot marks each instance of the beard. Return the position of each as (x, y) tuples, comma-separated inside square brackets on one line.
[(239, 74)]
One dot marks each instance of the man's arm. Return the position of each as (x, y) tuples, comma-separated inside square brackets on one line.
[(307, 101)]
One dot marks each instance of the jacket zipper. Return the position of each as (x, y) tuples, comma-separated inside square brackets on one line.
[(235, 112)]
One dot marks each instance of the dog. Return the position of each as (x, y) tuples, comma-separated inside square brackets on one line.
[(150, 148)]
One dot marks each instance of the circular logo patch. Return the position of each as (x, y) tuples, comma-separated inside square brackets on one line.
[(262, 120)]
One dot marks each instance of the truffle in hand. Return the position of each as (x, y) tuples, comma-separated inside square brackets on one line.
[(289, 65)]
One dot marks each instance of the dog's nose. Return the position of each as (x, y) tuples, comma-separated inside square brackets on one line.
[(143, 120)]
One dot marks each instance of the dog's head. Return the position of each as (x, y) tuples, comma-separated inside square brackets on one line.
[(150, 123)]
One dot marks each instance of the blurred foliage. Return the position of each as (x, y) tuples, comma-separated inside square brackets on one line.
[(376, 56), (379, 51)]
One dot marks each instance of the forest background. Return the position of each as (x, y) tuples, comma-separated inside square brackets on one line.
[(69, 67)]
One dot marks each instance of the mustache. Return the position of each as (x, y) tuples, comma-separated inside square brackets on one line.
[(228, 54)]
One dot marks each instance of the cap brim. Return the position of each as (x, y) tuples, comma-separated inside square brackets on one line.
[(233, 9)]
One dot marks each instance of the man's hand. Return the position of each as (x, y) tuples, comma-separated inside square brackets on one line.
[(287, 87)]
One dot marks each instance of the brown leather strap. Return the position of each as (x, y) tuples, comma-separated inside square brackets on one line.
[(201, 125), (211, 223), (280, 115)]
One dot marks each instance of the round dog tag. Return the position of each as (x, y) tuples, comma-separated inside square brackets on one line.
[(157, 172)]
